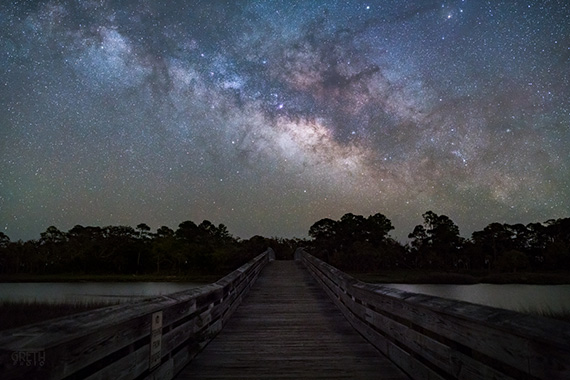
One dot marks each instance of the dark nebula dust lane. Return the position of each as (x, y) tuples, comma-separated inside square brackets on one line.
[(268, 116)]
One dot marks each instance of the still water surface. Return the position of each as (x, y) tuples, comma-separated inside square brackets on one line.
[(555, 298), (514, 296), (58, 292)]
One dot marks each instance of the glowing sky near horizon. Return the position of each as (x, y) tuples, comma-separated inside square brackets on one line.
[(270, 115)]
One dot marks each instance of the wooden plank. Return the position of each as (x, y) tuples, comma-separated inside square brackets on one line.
[(459, 339), (527, 350), (130, 367), (403, 359), (116, 339), (287, 327)]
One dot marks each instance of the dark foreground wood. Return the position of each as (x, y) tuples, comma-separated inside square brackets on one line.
[(151, 339), (287, 328), (436, 338)]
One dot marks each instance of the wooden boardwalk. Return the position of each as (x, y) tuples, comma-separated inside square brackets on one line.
[(288, 328)]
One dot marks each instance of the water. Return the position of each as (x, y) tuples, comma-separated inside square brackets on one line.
[(518, 297), (60, 292)]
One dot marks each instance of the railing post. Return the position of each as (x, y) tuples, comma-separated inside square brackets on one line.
[(298, 252), (435, 338), (270, 254), (155, 339), (151, 339)]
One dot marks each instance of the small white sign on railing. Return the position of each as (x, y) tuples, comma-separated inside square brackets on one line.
[(155, 339)]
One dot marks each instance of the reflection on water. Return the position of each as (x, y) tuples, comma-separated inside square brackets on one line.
[(517, 297), (512, 296), (88, 292)]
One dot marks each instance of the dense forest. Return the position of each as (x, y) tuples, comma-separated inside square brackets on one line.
[(362, 244), (190, 249), (353, 243)]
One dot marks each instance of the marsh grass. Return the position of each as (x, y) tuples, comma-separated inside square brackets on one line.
[(74, 277), (15, 314)]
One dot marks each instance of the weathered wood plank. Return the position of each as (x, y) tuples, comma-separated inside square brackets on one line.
[(286, 327), (456, 339), (414, 368), (114, 342)]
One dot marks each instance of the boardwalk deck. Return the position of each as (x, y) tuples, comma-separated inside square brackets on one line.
[(287, 327)]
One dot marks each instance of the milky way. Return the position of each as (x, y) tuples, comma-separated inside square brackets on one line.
[(270, 115)]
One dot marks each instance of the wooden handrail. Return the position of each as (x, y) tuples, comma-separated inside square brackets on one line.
[(153, 338), (435, 338)]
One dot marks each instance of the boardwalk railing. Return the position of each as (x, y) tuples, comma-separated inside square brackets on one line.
[(152, 339), (434, 338)]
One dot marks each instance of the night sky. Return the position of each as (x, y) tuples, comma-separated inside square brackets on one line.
[(267, 116)]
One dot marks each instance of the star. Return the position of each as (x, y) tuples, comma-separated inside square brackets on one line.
[(126, 114)]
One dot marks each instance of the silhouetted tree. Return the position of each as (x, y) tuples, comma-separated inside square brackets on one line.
[(4, 240), (351, 243), (324, 229), (557, 250), (491, 239), (350, 229), (496, 239), (355, 242), (52, 243), (4, 252), (512, 261), (144, 237), (537, 241), (324, 233), (164, 231), (187, 231), (378, 227), (84, 248), (437, 242), (144, 231), (418, 245)]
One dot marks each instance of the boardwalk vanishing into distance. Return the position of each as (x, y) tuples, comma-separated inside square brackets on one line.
[(297, 319), (287, 328)]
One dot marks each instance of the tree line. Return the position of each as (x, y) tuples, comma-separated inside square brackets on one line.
[(353, 243), (363, 244), (190, 249)]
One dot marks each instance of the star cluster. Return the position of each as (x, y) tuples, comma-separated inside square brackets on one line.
[(270, 115)]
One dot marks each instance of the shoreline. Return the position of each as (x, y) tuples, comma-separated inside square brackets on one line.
[(79, 278), (404, 276), (466, 278)]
